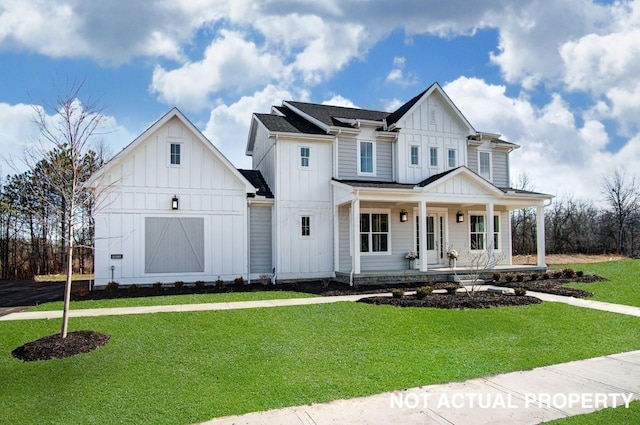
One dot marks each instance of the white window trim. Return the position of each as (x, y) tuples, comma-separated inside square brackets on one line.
[(359, 161), (299, 157), (436, 157), (486, 230), (389, 246), (484, 234), (182, 154), (455, 152), (419, 156), (498, 231), (490, 165), (299, 224)]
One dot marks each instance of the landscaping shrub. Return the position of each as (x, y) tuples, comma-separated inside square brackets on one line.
[(133, 287), (422, 292), (397, 293), (219, 284), (534, 276), (557, 274), (451, 288), (545, 276), (157, 287), (579, 273), (509, 277), (265, 279), (497, 276), (112, 286), (239, 281), (520, 291), (520, 277), (568, 272), (178, 284), (200, 284)]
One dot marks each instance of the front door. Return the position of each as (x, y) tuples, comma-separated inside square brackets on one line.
[(435, 238)]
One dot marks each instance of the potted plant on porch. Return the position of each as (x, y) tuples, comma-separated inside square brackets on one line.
[(411, 257)]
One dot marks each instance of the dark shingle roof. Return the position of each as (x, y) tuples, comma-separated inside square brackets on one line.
[(327, 114), (435, 177), (398, 113), (257, 180), (289, 123), (377, 184)]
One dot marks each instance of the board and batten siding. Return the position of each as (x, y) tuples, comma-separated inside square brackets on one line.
[(348, 160), (260, 239)]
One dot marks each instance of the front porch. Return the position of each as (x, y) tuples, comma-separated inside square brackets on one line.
[(434, 274)]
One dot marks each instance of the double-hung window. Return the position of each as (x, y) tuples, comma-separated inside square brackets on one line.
[(451, 158), (484, 165), (305, 154), (374, 232), (414, 159), (496, 232), (433, 157), (174, 154), (476, 232), (305, 225), (367, 157)]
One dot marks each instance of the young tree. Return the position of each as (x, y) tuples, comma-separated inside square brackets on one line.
[(59, 161)]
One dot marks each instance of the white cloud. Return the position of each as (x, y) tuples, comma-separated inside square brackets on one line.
[(397, 76), (557, 154), (228, 125), (338, 100), (230, 62)]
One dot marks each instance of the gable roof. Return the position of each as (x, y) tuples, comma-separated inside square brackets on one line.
[(256, 178), (288, 122), (173, 113), (329, 114)]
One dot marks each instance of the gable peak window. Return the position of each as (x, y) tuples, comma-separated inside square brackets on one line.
[(414, 155), (367, 157), (305, 155), (451, 158), (433, 157), (174, 154)]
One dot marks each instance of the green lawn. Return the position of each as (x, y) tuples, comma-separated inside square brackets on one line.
[(623, 286), (179, 368), (173, 300), (611, 416)]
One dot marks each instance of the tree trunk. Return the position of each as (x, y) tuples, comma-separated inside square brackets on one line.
[(67, 287)]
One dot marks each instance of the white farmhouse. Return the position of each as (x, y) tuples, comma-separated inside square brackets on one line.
[(334, 192)]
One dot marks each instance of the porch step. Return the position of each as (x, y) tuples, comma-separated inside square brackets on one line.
[(465, 280)]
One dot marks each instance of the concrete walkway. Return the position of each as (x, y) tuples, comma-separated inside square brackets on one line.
[(520, 398)]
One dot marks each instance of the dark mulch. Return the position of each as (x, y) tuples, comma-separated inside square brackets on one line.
[(455, 301), (555, 286), (53, 346)]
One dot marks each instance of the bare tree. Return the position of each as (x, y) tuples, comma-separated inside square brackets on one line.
[(58, 161), (623, 196)]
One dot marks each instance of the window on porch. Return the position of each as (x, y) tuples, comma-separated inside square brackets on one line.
[(476, 223), (374, 232)]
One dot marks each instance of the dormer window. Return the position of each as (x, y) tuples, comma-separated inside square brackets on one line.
[(367, 158), (484, 165), (174, 154)]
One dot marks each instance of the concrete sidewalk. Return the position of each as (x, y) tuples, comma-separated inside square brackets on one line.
[(521, 398)]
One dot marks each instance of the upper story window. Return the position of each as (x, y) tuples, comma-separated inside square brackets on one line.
[(175, 154), (452, 161), (414, 154), (305, 155), (484, 165), (433, 157), (367, 158)]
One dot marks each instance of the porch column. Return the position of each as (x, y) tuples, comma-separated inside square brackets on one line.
[(422, 216), (489, 244), (542, 262), (355, 235)]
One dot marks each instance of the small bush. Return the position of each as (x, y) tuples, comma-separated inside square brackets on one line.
[(568, 273), (519, 291), (545, 276), (497, 276), (509, 277), (178, 284), (451, 288), (557, 274), (534, 276), (219, 284), (422, 293), (579, 273), (397, 293), (200, 284), (520, 277), (265, 279), (133, 287), (112, 286), (157, 287), (239, 281)]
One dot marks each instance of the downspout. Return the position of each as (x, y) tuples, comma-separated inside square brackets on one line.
[(249, 240), (353, 237)]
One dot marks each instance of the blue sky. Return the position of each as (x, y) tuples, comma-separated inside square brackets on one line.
[(559, 78)]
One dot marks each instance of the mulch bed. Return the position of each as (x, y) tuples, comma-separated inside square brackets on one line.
[(554, 286), (54, 346), (458, 300)]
